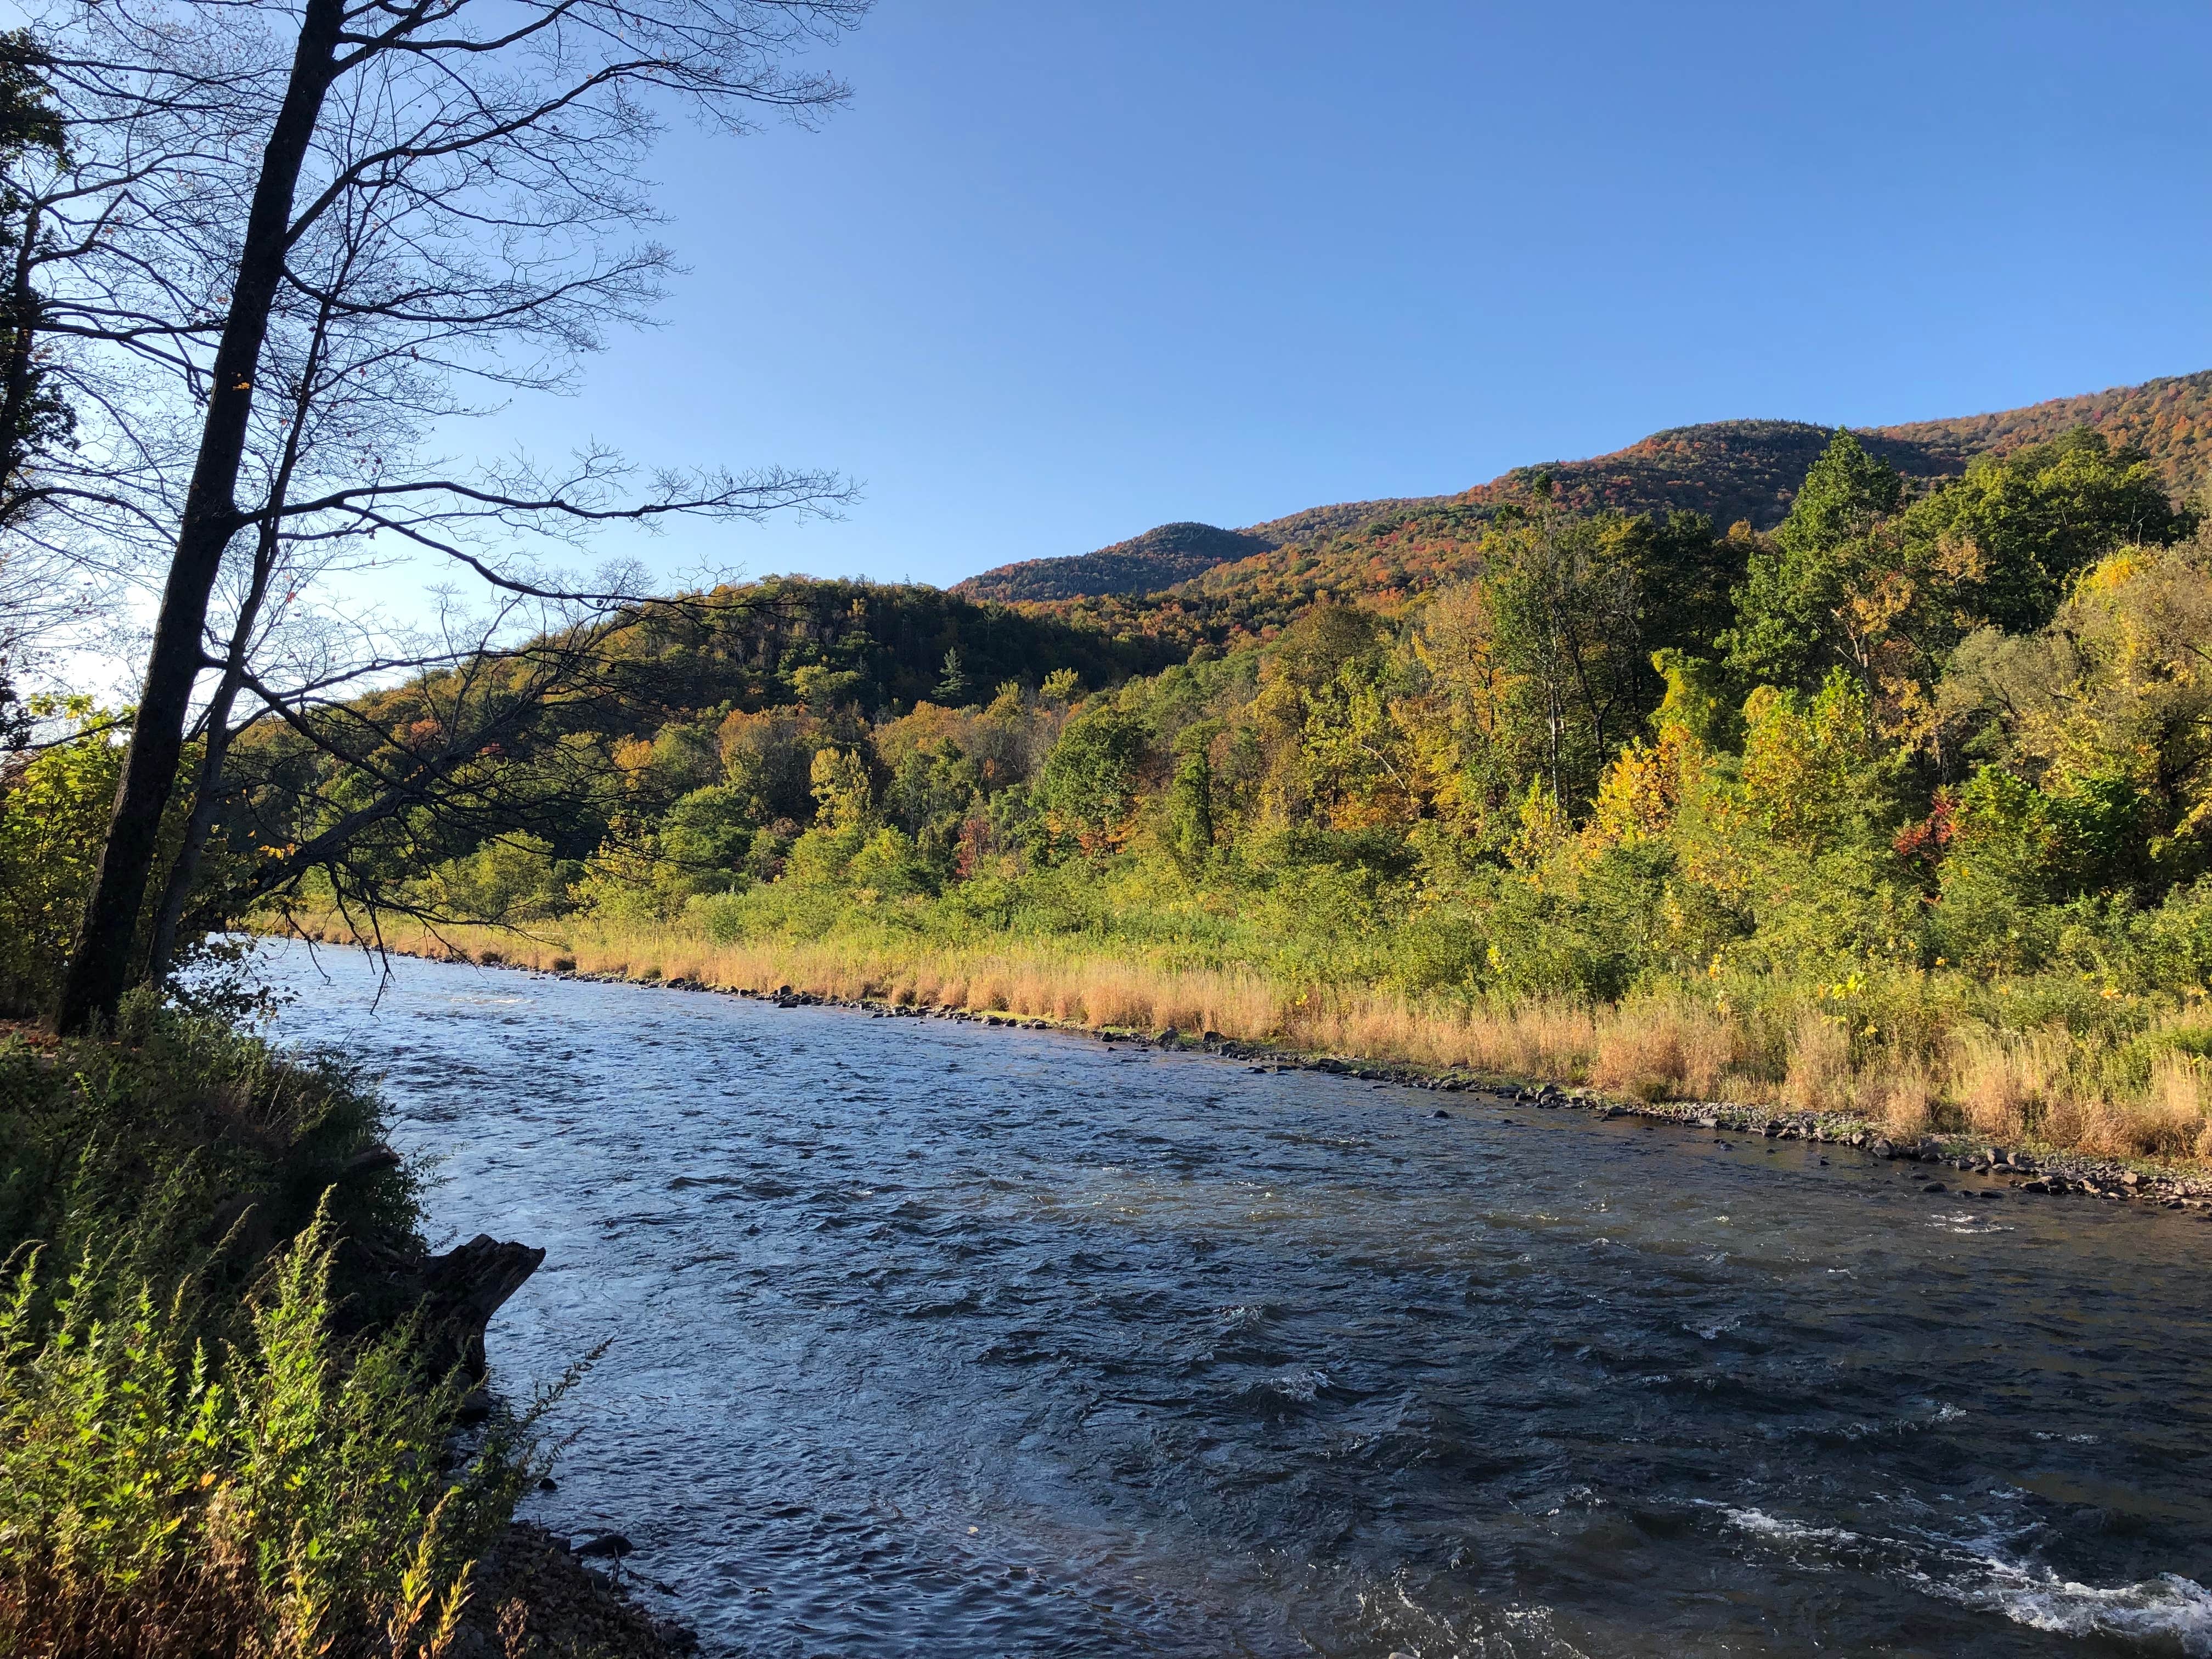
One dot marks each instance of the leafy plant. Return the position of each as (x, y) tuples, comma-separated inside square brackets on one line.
[(167, 1492)]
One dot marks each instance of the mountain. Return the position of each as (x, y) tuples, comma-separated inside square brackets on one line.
[(1163, 556), (1727, 470), (1143, 564), (2170, 420)]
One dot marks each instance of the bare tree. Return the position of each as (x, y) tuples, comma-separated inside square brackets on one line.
[(449, 187)]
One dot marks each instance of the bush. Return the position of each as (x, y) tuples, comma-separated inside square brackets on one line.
[(163, 1495), (197, 1142), (53, 820)]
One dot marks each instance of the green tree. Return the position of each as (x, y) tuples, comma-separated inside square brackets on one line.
[(2108, 709), (53, 805), (1088, 788), (1812, 766), (510, 879), (1685, 575), (2013, 533), (707, 836), (951, 687), (1190, 811), (1566, 625), (932, 793), (841, 789), (34, 418), (1791, 624)]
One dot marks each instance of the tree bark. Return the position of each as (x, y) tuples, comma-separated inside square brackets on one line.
[(161, 954), (22, 339), (100, 966)]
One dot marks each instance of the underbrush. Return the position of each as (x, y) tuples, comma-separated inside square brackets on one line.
[(216, 1433), (193, 1140), (164, 1492)]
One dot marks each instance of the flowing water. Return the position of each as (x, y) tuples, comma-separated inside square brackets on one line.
[(926, 1338)]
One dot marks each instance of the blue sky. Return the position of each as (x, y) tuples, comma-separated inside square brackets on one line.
[(1065, 270)]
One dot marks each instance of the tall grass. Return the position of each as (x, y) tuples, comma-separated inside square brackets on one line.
[(167, 1493), (1913, 1054)]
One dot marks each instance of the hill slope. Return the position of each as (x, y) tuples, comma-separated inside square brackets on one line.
[(1727, 470), (1170, 554), (2170, 420), (1143, 564)]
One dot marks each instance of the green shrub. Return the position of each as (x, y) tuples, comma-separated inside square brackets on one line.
[(165, 1493), (194, 1141), (53, 819)]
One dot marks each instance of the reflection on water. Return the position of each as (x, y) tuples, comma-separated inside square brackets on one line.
[(933, 1339)]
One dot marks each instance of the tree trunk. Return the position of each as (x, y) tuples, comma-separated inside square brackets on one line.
[(100, 966), (22, 340), (160, 955)]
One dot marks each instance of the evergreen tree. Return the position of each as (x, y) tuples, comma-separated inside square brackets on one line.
[(951, 687)]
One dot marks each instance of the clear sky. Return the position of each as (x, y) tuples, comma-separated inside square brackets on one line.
[(1067, 269)]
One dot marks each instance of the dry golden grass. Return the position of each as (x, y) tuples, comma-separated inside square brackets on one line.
[(1667, 1048), (2002, 1087), (2005, 1083), (2168, 1122), (1820, 1077), (1901, 1098)]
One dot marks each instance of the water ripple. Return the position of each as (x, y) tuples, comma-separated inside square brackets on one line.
[(928, 1338)]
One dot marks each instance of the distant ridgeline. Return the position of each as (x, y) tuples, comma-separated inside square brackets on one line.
[(1171, 553), (1190, 583)]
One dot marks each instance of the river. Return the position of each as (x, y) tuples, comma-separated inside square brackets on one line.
[(929, 1338)]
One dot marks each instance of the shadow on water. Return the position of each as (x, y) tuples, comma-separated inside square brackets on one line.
[(934, 1339)]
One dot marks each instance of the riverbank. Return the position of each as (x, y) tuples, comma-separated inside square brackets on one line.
[(1664, 1060), (309, 1458), (935, 1336)]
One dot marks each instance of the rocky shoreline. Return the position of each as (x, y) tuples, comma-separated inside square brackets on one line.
[(533, 1595), (2022, 1169)]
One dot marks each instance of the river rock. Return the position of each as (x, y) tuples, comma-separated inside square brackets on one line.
[(551, 1603)]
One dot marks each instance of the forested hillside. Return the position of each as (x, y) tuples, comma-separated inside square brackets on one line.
[(1159, 558), (1729, 471), (1904, 802), (552, 749), (2169, 420)]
